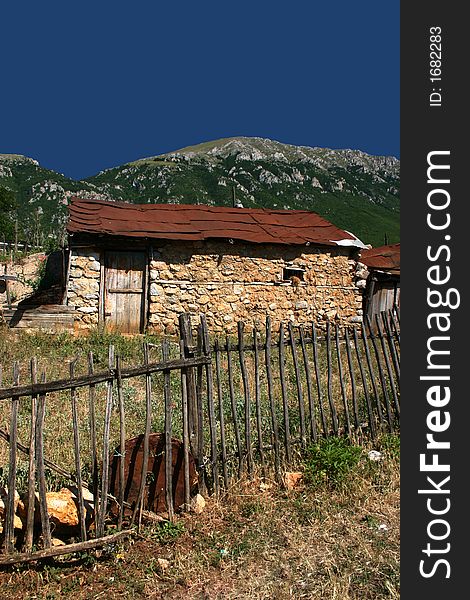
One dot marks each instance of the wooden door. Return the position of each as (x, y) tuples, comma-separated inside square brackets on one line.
[(124, 291)]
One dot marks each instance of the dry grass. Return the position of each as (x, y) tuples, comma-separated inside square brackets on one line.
[(259, 542)]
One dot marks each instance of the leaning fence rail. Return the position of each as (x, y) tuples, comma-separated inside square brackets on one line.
[(210, 410)]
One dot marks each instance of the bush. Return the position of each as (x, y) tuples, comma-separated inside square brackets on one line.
[(331, 461)]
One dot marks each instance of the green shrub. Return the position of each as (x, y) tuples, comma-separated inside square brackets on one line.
[(331, 461)]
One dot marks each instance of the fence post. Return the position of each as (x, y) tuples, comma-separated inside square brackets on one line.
[(186, 338)]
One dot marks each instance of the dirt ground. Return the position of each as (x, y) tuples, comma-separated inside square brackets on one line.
[(259, 542)]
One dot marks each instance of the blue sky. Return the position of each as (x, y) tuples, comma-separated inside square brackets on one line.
[(91, 85)]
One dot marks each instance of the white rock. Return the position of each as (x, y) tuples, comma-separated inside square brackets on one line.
[(198, 504)]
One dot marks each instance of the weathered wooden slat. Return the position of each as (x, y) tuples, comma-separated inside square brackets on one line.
[(105, 461), (233, 405), (391, 345), (45, 525), (342, 383), (184, 410), (221, 413), (206, 348), (259, 425), (29, 536), (370, 415), (150, 516), (62, 550), (334, 416), (122, 441), (189, 348), (372, 375), (395, 325), (145, 457), (10, 501), (300, 395), (106, 376), (285, 398), (269, 378), (388, 365), (200, 455), (246, 389), (168, 434), (78, 462), (93, 442), (318, 380), (308, 377), (352, 378), (383, 382)]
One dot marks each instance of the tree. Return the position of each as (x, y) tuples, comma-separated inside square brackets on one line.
[(8, 207)]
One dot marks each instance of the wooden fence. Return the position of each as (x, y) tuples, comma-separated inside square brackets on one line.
[(222, 407)]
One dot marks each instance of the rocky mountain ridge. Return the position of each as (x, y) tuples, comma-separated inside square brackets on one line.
[(354, 190)]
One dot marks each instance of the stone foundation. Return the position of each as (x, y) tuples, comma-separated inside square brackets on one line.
[(232, 282)]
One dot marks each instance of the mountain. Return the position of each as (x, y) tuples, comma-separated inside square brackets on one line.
[(354, 190)]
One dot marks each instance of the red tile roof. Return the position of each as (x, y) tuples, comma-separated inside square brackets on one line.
[(201, 222), (383, 258)]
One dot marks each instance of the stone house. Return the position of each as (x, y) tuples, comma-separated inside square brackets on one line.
[(135, 268)]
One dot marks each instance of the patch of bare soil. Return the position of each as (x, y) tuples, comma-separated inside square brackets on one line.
[(259, 542)]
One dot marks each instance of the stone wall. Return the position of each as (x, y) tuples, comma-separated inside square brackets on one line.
[(231, 282), (83, 289), (28, 271), (245, 282)]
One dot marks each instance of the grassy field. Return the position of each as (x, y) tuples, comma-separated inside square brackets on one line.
[(334, 537)]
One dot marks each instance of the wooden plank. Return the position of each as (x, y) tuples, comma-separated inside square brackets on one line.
[(200, 454), (372, 375), (150, 516), (334, 416), (210, 405), (78, 463), (383, 383), (300, 395), (352, 379), (124, 283), (285, 406), (148, 419), (45, 525), (93, 444), (318, 380), (233, 405), (221, 412), (122, 442), (393, 350), (105, 461), (62, 550), (388, 365), (246, 389), (187, 338), (308, 377), (395, 325), (184, 410), (10, 501), (365, 387), (168, 434), (342, 383), (269, 378), (259, 425), (102, 377), (29, 535)]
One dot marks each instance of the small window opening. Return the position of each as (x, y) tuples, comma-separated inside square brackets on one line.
[(291, 274)]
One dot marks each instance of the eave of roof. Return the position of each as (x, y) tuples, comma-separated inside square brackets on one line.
[(383, 258), (201, 222)]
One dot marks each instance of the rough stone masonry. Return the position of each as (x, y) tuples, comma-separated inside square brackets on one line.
[(232, 282)]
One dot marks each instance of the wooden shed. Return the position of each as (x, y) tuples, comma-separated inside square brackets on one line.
[(383, 282)]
